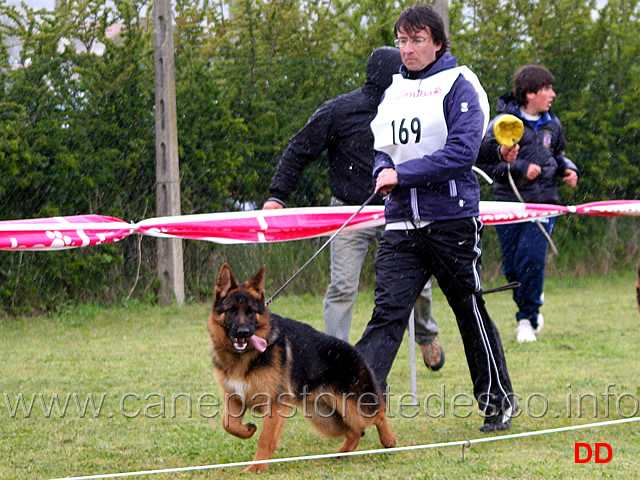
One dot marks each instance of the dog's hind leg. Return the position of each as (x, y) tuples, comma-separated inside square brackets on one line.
[(234, 408), (352, 438), (272, 426)]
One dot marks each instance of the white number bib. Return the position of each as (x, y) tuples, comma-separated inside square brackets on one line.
[(410, 121)]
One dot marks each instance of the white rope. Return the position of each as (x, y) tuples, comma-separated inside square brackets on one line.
[(483, 174), (464, 443)]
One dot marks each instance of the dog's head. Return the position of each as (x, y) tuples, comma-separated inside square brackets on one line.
[(241, 311)]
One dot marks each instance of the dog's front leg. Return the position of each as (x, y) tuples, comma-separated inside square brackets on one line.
[(234, 408), (272, 426)]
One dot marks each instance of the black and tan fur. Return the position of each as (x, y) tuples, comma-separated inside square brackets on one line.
[(300, 371)]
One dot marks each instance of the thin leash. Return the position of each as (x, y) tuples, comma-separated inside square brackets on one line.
[(508, 286), (367, 201)]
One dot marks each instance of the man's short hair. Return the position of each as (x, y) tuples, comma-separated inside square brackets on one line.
[(420, 17), (530, 79)]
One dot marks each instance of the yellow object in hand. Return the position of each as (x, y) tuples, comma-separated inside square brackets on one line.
[(508, 130)]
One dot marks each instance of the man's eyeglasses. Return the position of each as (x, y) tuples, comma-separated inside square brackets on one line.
[(416, 42)]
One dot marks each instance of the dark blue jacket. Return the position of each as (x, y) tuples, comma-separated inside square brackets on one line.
[(542, 143), (442, 185)]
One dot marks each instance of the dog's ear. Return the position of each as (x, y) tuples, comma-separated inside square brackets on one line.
[(226, 283), (257, 282)]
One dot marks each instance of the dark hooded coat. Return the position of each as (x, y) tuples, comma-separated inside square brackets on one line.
[(342, 127)]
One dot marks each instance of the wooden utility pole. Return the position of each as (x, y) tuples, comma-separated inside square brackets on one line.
[(169, 251), (442, 7)]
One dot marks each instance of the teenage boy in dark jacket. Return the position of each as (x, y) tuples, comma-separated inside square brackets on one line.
[(341, 126), (536, 164)]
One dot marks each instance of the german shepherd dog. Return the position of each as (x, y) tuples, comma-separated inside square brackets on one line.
[(274, 366)]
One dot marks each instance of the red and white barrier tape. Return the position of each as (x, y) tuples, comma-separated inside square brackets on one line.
[(258, 226)]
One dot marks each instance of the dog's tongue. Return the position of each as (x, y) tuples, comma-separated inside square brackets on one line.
[(259, 343)]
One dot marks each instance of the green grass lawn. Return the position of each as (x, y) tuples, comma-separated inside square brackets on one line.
[(142, 365)]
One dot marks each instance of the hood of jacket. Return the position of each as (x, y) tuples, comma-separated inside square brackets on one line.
[(507, 103), (383, 63)]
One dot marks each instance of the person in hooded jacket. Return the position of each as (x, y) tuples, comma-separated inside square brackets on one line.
[(427, 134), (536, 164), (341, 126)]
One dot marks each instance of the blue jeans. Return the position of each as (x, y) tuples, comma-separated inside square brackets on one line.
[(524, 255), (348, 252)]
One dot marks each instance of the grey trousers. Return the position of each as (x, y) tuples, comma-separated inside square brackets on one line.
[(348, 251)]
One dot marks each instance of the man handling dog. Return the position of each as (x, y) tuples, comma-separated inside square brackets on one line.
[(427, 133)]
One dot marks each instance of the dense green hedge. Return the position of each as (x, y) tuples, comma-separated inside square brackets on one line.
[(77, 129)]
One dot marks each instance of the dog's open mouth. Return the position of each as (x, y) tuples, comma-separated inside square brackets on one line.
[(240, 344)]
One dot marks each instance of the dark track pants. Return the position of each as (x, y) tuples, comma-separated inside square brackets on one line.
[(450, 250)]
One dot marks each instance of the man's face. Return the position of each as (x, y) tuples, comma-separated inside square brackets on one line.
[(418, 49), (541, 100)]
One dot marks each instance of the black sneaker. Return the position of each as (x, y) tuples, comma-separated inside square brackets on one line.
[(499, 421)]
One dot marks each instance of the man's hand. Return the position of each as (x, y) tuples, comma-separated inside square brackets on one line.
[(271, 205), (570, 177), (387, 180), (509, 154)]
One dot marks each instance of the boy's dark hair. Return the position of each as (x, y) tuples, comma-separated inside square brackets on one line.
[(414, 19), (530, 79)]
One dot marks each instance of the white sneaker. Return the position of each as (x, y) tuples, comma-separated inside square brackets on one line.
[(540, 323), (525, 332)]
